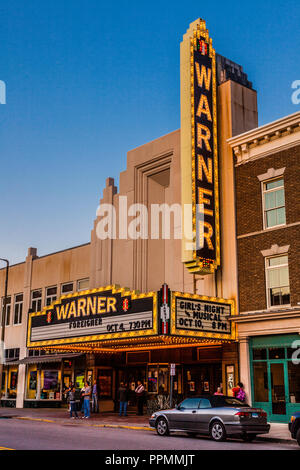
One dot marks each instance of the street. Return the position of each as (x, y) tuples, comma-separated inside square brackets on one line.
[(30, 435)]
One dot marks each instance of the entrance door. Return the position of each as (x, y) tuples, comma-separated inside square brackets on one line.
[(278, 398)]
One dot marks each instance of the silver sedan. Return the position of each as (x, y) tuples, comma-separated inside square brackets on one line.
[(217, 416)]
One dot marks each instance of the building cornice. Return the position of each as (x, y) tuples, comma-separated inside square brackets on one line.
[(268, 139), (265, 315)]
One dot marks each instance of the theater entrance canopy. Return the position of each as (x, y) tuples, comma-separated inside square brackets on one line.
[(114, 319)]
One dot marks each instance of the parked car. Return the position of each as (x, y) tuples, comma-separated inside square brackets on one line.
[(218, 416), (294, 426)]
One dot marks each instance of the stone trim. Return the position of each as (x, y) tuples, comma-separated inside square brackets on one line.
[(271, 173), (266, 230), (275, 250)]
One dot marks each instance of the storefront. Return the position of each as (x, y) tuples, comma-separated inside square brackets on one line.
[(48, 376), (9, 384), (111, 335), (275, 375)]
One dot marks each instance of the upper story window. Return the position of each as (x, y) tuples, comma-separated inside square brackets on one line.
[(13, 353), (67, 288), (278, 284), (274, 203), (8, 310), (36, 300), (83, 284), (51, 295), (18, 309)]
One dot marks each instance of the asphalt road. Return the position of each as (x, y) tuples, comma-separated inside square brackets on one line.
[(29, 435)]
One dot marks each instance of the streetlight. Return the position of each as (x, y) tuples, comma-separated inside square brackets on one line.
[(3, 317)]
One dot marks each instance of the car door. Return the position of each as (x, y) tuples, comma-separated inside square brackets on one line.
[(184, 417), (203, 415)]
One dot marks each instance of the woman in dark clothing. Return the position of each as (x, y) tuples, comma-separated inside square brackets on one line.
[(123, 397)]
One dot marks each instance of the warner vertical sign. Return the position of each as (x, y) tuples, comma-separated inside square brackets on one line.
[(201, 154)]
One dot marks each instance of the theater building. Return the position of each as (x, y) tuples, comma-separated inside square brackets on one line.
[(267, 166), (125, 307)]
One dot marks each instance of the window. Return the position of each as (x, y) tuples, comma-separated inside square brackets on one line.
[(277, 278), (190, 403), (67, 288), (41, 352), (83, 284), (13, 353), (274, 203), (18, 309), (50, 385), (8, 309), (36, 300), (51, 295), (294, 382), (259, 353), (205, 403), (260, 382)]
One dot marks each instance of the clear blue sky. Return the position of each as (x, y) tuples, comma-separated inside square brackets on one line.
[(89, 80)]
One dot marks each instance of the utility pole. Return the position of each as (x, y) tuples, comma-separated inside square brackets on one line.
[(3, 319)]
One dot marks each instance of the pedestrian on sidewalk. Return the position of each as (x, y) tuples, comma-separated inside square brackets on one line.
[(95, 401), (219, 391), (81, 401), (123, 398), (86, 400), (140, 394), (239, 392), (72, 401)]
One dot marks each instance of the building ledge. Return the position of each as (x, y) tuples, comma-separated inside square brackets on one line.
[(264, 315)]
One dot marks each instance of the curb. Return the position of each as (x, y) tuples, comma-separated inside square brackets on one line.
[(142, 428), (118, 426)]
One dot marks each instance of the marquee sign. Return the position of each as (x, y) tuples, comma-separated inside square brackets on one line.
[(201, 316), (199, 149), (100, 314)]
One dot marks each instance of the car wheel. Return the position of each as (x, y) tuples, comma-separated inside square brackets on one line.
[(298, 436), (248, 437), (217, 431), (162, 428)]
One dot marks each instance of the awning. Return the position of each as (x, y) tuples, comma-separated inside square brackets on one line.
[(48, 358), (12, 362)]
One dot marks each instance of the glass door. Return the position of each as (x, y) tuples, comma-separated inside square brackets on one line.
[(278, 392)]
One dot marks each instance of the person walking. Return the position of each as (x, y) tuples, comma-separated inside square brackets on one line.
[(219, 391), (72, 401), (123, 398), (95, 402), (86, 400), (239, 392), (140, 392)]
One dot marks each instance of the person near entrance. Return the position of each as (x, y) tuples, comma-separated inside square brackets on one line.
[(123, 398), (72, 400), (140, 393), (239, 392), (95, 402), (86, 400)]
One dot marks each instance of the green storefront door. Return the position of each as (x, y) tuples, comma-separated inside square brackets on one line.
[(278, 391), (275, 378)]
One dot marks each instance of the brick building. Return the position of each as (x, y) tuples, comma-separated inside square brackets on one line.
[(267, 172)]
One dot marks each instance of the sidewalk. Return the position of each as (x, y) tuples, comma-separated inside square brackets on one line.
[(278, 433)]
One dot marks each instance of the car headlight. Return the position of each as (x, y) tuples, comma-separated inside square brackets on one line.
[(154, 415)]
